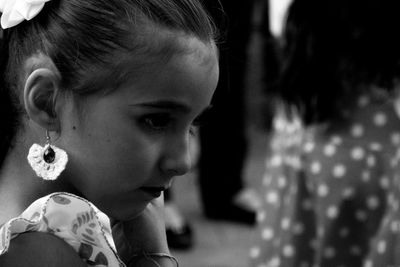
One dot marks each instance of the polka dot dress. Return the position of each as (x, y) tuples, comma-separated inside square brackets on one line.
[(385, 246), (326, 192)]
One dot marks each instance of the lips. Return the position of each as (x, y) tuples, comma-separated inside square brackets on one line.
[(155, 192)]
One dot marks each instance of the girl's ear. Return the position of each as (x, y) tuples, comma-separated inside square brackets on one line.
[(40, 92)]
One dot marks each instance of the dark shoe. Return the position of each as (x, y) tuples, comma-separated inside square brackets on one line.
[(180, 238), (232, 213)]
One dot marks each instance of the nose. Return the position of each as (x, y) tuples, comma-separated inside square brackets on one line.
[(177, 158)]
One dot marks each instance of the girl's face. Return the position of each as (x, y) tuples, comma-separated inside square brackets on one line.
[(125, 147)]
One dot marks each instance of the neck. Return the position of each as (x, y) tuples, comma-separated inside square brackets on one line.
[(19, 185)]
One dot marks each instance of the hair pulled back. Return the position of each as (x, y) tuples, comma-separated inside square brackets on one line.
[(80, 38), (334, 50)]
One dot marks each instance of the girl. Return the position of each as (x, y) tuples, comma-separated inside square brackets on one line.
[(326, 182), (98, 101)]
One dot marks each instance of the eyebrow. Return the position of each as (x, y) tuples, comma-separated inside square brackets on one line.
[(206, 111), (171, 105), (166, 104)]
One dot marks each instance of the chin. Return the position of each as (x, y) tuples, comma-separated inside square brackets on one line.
[(129, 213)]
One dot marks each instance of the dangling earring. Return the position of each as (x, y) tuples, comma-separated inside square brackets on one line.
[(48, 161)]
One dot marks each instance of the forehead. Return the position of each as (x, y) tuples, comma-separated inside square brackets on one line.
[(155, 49), (160, 46), (192, 56), (202, 52), (189, 77)]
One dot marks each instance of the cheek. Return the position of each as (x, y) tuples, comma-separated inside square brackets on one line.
[(111, 179), (136, 165), (110, 152), (128, 161)]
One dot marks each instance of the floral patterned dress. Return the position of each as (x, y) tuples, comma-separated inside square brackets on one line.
[(71, 218), (326, 192)]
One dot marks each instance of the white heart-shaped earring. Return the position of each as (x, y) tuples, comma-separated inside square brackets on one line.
[(49, 161)]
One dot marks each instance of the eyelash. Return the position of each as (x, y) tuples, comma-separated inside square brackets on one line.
[(197, 123), (160, 122), (153, 121)]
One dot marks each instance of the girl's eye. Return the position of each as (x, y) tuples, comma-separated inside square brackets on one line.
[(197, 123), (156, 122), (193, 130)]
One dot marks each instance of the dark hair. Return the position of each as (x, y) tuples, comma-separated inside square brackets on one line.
[(334, 50), (81, 38)]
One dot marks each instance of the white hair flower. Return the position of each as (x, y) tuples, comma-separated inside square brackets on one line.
[(16, 11)]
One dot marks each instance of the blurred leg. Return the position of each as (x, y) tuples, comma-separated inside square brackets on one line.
[(223, 138), (179, 232)]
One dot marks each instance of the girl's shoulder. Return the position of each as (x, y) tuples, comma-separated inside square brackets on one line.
[(68, 221), (40, 249)]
